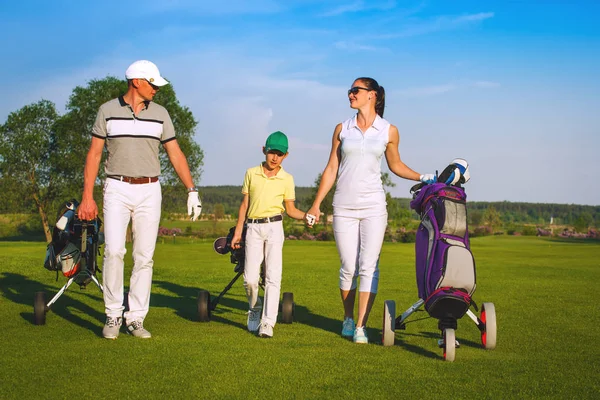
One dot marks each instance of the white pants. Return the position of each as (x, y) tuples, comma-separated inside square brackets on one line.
[(141, 204), (264, 242), (359, 237)]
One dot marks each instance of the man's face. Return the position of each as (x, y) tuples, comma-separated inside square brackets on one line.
[(146, 89), (274, 159)]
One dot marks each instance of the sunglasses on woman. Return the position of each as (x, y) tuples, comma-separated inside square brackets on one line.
[(355, 89)]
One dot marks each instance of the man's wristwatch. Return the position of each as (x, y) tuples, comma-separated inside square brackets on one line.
[(192, 189)]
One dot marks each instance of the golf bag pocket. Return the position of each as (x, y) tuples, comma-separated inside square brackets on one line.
[(447, 302), (457, 269), (452, 218)]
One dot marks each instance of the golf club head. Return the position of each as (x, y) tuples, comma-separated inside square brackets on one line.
[(220, 246)]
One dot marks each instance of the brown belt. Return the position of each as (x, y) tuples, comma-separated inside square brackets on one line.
[(265, 220), (134, 181)]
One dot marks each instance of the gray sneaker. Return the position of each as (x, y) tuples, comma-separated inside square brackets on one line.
[(136, 328), (254, 319), (111, 327)]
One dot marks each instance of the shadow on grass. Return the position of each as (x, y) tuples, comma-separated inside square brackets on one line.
[(21, 290), (184, 302)]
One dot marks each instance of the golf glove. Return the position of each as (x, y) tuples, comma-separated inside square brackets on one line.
[(194, 205), (428, 178)]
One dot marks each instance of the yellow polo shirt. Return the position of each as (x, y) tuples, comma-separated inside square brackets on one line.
[(266, 195)]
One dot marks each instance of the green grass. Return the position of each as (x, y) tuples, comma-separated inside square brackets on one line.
[(544, 291)]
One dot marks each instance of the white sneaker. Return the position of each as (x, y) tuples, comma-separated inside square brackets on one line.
[(348, 327), (111, 327), (360, 335), (136, 328), (265, 330), (253, 319)]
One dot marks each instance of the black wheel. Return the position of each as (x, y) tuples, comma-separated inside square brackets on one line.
[(389, 323), (39, 308), (287, 308), (449, 344), (203, 306)]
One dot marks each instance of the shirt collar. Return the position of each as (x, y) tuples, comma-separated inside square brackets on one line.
[(377, 123), (279, 175), (123, 103)]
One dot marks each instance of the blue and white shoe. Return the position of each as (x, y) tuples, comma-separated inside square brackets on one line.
[(360, 335), (348, 327)]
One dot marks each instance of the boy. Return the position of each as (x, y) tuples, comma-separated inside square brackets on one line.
[(266, 188)]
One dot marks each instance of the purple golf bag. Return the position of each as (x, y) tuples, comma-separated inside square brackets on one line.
[(445, 266), (444, 263)]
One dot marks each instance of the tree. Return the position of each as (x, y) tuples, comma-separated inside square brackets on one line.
[(26, 156), (491, 218)]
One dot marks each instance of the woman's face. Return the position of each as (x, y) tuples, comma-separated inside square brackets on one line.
[(359, 94)]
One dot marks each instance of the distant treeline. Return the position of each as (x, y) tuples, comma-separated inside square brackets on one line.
[(510, 213)]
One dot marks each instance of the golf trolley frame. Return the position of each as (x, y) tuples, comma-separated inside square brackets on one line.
[(89, 248), (486, 324), (206, 305)]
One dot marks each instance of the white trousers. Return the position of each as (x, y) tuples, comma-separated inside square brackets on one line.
[(142, 205), (264, 242), (359, 236)]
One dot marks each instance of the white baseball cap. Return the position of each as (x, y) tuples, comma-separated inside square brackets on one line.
[(144, 69)]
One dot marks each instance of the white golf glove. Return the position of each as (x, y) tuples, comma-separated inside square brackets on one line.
[(428, 178), (194, 205)]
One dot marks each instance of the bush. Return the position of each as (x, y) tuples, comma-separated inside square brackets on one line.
[(480, 231), (529, 231)]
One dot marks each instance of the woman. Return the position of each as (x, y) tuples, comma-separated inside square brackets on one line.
[(359, 207)]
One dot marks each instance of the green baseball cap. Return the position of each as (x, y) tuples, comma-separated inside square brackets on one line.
[(277, 141)]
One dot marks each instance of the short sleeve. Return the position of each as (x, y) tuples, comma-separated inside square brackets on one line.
[(246, 184), (99, 128), (290, 189), (168, 132)]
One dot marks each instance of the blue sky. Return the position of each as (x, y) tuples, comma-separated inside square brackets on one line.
[(513, 87)]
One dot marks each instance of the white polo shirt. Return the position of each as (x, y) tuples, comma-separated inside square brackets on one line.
[(359, 184)]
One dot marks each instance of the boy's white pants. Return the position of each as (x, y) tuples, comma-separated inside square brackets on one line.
[(264, 242), (359, 236), (141, 204)]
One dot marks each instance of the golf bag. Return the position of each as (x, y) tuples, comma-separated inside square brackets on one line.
[(73, 251), (445, 266)]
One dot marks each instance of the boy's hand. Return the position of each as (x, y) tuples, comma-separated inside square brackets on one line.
[(235, 241), (314, 213)]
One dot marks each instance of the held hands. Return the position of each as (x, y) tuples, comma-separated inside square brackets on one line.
[(194, 205), (312, 216), (428, 178)]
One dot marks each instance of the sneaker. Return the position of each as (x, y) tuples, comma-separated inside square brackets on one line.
[(136, 328), (253, 319), (265, 330), (111, 327), (360, 335), (348, 327)]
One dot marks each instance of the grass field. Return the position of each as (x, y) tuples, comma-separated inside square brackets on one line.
[(544, 291)]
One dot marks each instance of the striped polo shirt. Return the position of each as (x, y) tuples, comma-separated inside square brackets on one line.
[(132, 141)]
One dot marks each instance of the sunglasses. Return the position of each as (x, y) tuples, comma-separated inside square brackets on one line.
[(356, 89), (153, 86)]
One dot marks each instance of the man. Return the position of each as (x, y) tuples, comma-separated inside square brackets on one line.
[(131, 127)]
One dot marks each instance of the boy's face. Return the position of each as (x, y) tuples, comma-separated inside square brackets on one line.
[(274, 158)]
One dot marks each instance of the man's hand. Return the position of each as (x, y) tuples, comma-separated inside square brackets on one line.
[(87, 210), (194, 205)]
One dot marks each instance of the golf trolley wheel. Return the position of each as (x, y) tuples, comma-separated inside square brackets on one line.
[(287, 308), (203, 306), (389, 323), (39, 308), (488, 334), (449, 344)]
